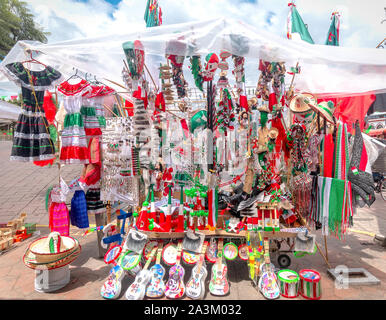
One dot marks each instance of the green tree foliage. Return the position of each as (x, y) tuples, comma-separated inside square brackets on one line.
[(17, 23)]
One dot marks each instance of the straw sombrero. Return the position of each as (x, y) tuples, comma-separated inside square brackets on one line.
[(261, 149), (252, 102), (263, 108), (325, 109), (273, 133), (286, 204), (53, 251), (301, 102)]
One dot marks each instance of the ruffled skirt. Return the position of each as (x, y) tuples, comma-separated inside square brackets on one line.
[(32, 141), (74, 143)]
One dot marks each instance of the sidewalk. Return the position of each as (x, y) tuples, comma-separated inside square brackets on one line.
[(23, 190)]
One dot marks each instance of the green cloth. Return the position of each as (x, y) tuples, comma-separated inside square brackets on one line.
[(332, 35), (299, 27), (73, 119)]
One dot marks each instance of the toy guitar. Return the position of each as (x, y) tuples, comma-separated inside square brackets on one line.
[(111, 289), (268, 284), (137, 289), (175, 287), (218, 284), (195, 288), (156, 288)]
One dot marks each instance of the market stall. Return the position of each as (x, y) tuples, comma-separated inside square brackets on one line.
[(182, 166)]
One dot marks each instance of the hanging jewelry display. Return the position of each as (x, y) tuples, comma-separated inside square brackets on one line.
[(118, 181)]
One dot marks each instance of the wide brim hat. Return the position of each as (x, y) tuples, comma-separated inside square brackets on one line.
[(33, 261), (263, 108), (325, 109), (51, 249), (261, 149), (301, 102), (286, 205), (252, 101), (273, 133)]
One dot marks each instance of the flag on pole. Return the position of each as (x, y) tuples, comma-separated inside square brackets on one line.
[(296, 29), (333, 32), (153, 14)]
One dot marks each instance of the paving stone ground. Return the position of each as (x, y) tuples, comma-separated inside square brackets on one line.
[(23, 189)]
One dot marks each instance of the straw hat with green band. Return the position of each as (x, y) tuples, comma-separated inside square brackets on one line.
[(53, 251), (325, 109), (301, 102)]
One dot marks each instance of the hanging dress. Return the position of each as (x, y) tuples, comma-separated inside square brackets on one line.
[(78, 214), (93, 198), (93, 110), (32, 141), (88, 111), (74, 144), (59, 218)]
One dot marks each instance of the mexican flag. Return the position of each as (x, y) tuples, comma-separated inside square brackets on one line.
[(333, 32), (296, 29)]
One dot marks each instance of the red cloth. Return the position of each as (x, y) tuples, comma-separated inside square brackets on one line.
[(43, 163), (160, 102), (49, 107), (74, 153), (350, 108), (129, 108), (328, 154), (138, 94), (244, 103)]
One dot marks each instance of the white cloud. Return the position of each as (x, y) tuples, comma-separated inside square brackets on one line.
[(69, 19)]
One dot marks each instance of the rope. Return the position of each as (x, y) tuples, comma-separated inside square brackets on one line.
[(37, 104)]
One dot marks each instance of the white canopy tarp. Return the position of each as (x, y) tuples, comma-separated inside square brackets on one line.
[(8, 111), (324, 69)]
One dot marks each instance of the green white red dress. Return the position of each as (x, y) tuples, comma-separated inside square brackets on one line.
[(74, 143)]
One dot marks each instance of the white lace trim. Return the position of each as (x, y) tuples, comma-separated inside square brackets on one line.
[(74, 161), (32, 114), (12, 77), (31, 159), (31, 135)]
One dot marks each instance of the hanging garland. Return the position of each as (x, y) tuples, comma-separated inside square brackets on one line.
[(196, 68), (177, 74), (225, 119)]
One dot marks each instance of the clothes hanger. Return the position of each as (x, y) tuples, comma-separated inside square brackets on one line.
[(75, 75), (32, 60)]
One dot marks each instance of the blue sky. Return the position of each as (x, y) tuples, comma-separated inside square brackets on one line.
[(70, 19)]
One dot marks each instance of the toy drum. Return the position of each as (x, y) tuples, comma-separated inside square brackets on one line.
[(112, 254), (289, 283), (230, 251), (243, 252), (130, 261), (310, 287), (169, 254), (189, 257)]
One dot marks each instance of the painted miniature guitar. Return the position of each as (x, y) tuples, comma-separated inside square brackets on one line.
[(218, 284), (156, 288), (195, 288), (111, 289), (175, 287), (137, 289), (268, 284)]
